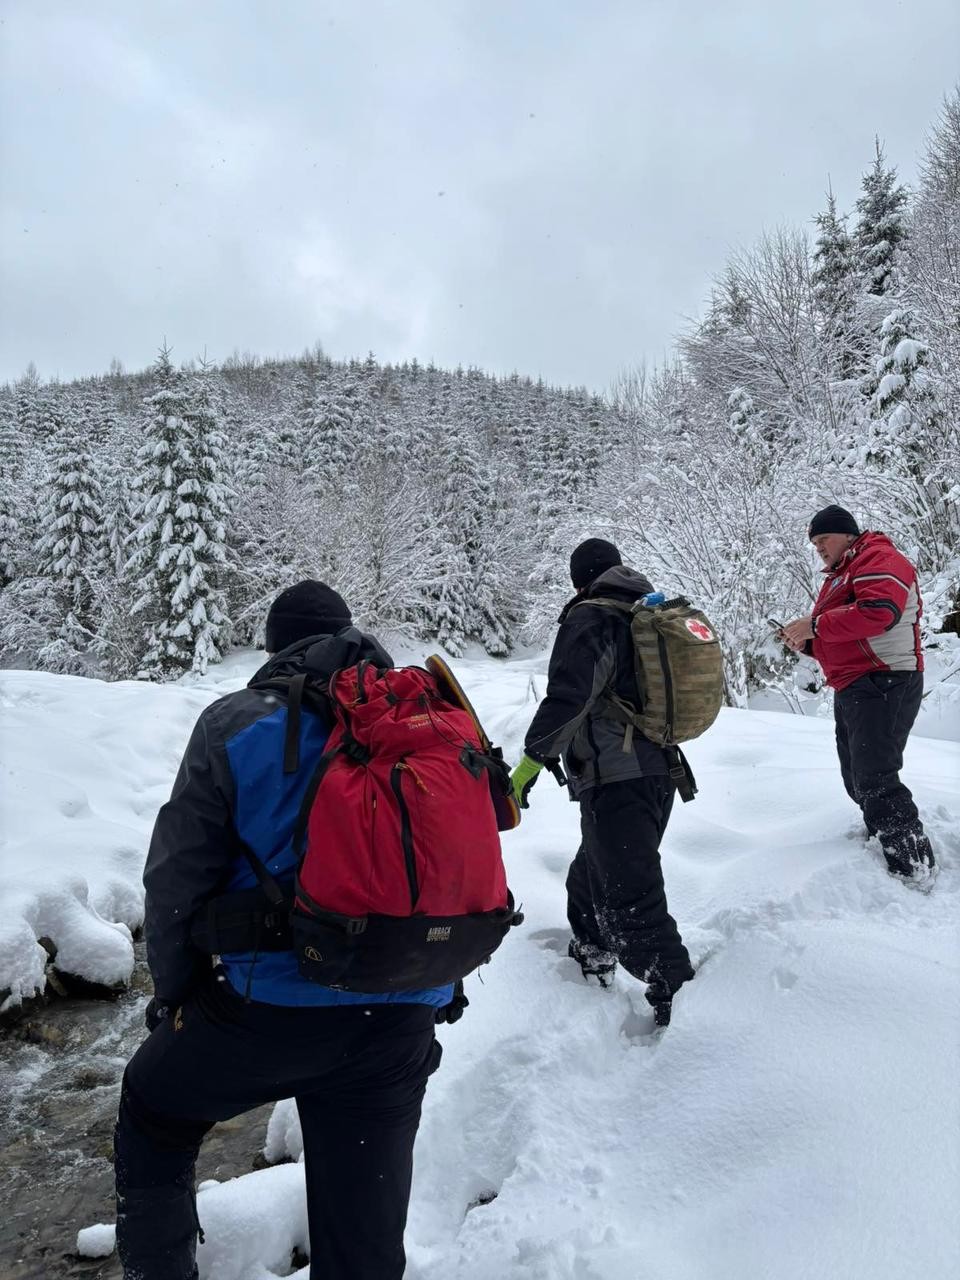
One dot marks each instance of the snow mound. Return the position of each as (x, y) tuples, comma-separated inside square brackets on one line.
[(252, 1224), (85, 767), (97, 1242)]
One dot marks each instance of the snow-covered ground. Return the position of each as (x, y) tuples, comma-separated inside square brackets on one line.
[(800, 1117)]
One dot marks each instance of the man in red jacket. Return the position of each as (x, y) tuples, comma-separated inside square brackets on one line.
[(865, 633)]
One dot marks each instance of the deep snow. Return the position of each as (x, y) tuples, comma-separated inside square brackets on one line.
[(799, 1118)]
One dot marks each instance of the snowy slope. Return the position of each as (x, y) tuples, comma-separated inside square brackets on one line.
[(84, 767), (800, 1118)]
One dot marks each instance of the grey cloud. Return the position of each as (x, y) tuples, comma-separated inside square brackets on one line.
[(543, 187)]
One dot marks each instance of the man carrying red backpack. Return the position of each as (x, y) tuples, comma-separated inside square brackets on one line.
[(355, 1053)]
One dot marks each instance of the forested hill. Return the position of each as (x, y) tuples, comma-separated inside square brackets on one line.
[(146, 520), (427, 496)]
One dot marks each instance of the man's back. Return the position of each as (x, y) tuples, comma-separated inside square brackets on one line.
[(593, 653), (233, 793)]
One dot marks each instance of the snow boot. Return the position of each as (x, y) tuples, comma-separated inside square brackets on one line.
[(915, 866), (914, 875), (594, 962), (659, 993)]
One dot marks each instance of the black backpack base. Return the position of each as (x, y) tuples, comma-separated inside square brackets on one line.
[(375, 954)]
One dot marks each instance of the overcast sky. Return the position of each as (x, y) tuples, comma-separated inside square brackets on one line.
[(538, 185)]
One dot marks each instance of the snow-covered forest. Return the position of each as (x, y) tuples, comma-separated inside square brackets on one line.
[(146, 520)]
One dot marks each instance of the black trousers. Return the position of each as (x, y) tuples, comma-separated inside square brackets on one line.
[(874, 716), (358, 1074), (615, 893)]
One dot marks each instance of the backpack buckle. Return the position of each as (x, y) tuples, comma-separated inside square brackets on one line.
[(354, 750)]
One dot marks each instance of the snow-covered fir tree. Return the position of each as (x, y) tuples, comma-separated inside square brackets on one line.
[(28, 396), (333, 438), (906, 404), (834, 285), (68, 549), (10, 504), (882, 225), (179, 541), (743, 418)]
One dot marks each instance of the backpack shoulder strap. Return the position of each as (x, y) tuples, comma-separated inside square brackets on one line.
[(275, 895), (291, 738), (605, 602), (303, 817), (611, 705), (301, 690)]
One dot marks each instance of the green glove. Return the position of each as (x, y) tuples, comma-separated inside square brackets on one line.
[(523, 778)]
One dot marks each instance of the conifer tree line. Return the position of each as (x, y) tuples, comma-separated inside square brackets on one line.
[(147, 520)]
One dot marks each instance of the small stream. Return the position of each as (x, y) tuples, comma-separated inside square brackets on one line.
[(60, 1072)]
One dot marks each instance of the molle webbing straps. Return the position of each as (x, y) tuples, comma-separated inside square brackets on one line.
[(678, 667)]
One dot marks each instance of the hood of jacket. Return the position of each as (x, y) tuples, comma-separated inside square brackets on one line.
[(620, 582), (321, 656)]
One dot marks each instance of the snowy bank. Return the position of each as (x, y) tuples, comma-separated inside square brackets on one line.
[(85, 767)]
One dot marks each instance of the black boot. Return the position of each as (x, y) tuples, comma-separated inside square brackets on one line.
[(662, 988), (157, 1233), (594, 962)]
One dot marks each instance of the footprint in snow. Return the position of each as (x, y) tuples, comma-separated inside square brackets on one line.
[(785, 979), (638, 1026), (551, 939)]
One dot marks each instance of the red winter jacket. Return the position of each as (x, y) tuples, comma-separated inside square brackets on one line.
[(867, 615)]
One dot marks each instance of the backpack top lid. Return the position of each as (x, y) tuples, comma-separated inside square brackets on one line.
[(397, 711)]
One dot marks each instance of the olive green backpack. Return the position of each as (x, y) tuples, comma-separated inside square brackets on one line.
[(679, 670)]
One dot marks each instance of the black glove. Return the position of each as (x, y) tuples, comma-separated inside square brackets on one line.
[(155, 1013), (453, 1011)]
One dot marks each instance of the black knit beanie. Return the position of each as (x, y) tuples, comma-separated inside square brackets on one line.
[(833, 520), (590, 559), (308, 609)]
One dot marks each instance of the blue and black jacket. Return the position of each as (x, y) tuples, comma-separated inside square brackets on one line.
[(231, 792)]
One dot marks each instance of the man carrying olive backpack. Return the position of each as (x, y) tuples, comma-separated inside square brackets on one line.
[(629, 678)]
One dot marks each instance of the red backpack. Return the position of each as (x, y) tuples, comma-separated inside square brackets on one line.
[(401, 884)]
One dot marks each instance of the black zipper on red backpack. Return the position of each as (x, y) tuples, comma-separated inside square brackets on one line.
[(406, 833), (667, 680)]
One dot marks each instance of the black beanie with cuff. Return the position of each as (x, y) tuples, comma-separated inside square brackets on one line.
[(309, 608), (590, 559), (833, 520)]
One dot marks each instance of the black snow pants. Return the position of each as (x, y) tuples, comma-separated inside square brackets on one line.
[(615, 893), (358, 1074), (874, 716)]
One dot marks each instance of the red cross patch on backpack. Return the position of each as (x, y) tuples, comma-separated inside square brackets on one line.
[(401, 883)]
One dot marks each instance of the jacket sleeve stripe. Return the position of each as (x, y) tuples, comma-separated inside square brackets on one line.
[(883, 604), (866, 577)]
